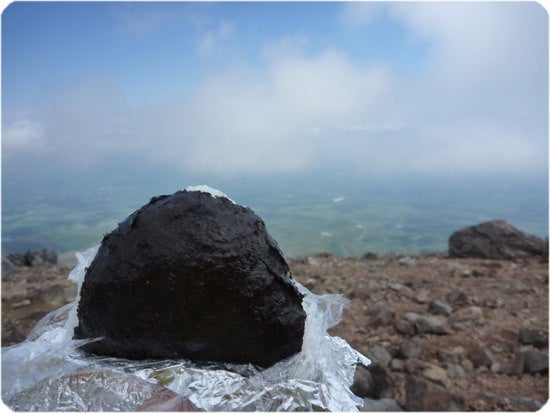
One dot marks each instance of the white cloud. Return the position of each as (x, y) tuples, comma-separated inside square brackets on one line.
[(213, 40), (23, 134), (480, 106)]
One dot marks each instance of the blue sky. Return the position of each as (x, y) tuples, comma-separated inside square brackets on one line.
[(437, 88)]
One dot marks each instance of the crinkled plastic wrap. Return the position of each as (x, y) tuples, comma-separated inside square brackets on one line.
[(47, 372)]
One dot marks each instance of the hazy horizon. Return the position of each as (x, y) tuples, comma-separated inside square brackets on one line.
[(406, 110)]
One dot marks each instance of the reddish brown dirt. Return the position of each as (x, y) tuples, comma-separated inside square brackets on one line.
[(510, 296)]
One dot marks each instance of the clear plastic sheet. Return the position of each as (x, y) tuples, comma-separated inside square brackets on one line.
[(47, 372)]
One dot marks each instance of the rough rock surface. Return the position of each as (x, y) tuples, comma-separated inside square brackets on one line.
[(495, 240), (195, 276)]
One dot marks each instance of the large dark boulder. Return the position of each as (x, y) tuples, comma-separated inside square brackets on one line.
[(191, 276), (495, 240)]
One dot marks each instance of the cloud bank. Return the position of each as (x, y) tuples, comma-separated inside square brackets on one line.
[(477, 105)]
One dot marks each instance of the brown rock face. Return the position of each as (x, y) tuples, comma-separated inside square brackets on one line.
[(495, 240), (191, 276)]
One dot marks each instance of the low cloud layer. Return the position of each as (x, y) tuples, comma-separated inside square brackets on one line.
[(477, 105)]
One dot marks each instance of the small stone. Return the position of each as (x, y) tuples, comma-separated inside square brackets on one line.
[(372, 381), (410, 316), (380, 355), (362, 381), (405, 327), (421, 395), (422, 296), (498, 303), (534, 337), (437, 375), (396, 365), (406, 292), (407, 261), (433, 324), (466, 314), (535, 362), (467, 365), (397, 286), (22, 303), (455, 371), (481, 357), (495, 367), (410, 350), (457, 298), (414, 366), (438, 307), (450, 355)]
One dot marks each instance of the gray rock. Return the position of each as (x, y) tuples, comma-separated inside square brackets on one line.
[(433, 324), (455, 371), (381, 405), (380, 355), (498, 303), (534, 337), (410, 316), (396, 365), (372, 381), (467, 365), (457, 298), (410, 350), (405, 327), (535, 362), (437, 375), (422, 395), (495, 240), (470, 313), (438, 307), (422, 296), (362, 382), (407, 261), (481, 357)]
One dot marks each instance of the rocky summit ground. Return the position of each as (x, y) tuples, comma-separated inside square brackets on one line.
[(449, 333), (467, 334)]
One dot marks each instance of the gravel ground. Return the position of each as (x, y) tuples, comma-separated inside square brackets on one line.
[(498, 309)]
